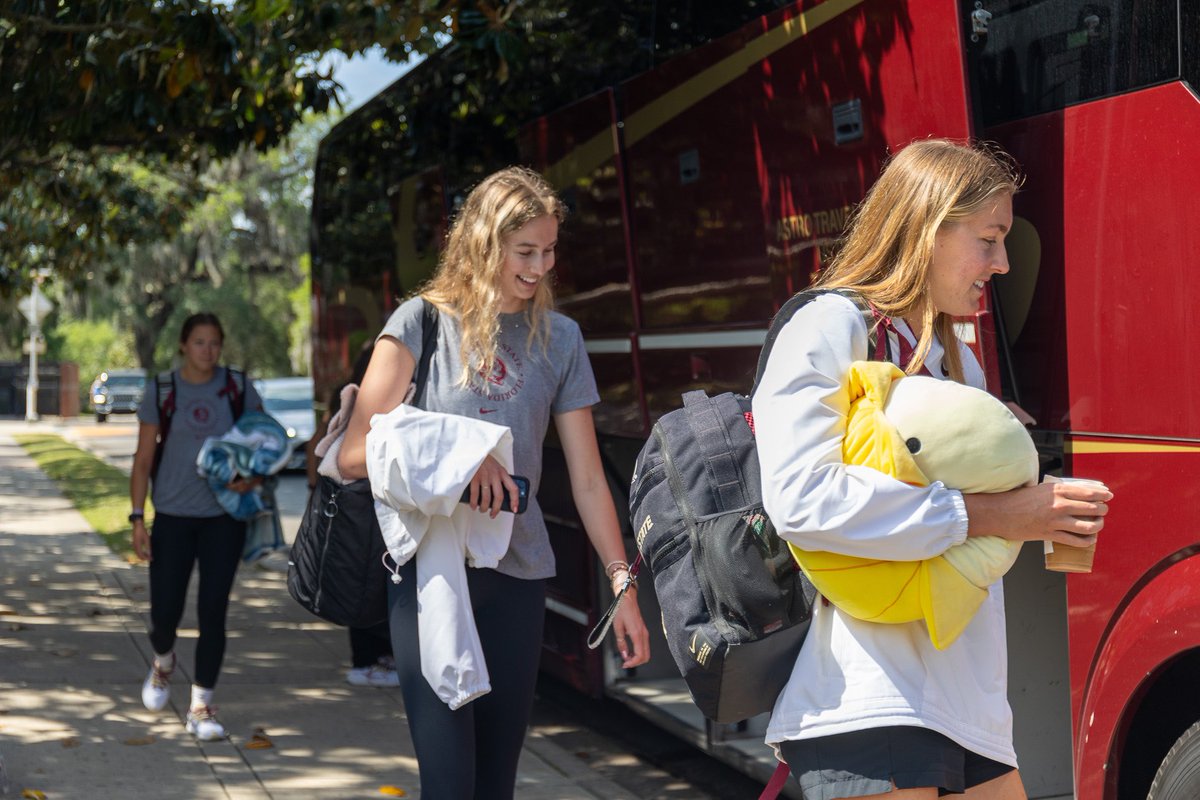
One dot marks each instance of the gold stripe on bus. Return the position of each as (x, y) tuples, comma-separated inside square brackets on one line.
[(595, 151), (1129, 447)]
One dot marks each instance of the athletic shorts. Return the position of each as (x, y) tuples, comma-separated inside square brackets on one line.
[(870, 761)]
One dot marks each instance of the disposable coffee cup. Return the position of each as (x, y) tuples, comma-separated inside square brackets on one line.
[(1064, 557)]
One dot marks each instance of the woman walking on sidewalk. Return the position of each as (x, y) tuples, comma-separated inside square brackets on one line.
[(502, 352), (192, 403)]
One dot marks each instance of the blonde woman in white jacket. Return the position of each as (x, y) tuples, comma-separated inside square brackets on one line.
[(505, 356), (874, 710)]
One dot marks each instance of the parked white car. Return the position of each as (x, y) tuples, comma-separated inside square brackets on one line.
[(290, 400)]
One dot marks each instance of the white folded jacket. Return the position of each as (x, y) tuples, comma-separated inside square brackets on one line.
[(419, 463)]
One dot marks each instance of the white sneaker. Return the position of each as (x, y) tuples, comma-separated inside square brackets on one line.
[(375, 675), (156, 690), (202, 723)]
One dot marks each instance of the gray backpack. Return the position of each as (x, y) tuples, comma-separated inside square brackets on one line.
[(735, 606)]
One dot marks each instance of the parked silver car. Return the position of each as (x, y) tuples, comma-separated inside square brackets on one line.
[(290, 401), (117, 391)]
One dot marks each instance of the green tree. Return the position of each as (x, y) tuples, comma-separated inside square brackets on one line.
[(94, 345), (240, 251), (192, 81)]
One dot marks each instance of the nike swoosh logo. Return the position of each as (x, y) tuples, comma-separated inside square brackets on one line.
[(488, 410)]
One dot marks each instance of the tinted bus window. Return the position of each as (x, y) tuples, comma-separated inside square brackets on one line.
[(677, 26), (1043, 55)]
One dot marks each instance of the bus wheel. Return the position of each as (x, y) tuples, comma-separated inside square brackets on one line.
[(1178, 778)]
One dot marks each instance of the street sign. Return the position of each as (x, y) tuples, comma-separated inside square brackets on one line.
[(35, 307)]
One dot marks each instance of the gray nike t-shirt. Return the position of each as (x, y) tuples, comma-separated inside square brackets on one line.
[(525, 389), (201, 410)]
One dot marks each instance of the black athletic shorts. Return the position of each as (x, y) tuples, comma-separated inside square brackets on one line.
[(870, 761)]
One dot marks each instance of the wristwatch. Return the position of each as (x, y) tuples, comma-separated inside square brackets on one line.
[(136, 515)]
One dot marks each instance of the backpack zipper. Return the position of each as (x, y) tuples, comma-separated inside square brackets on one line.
[(331, 502)]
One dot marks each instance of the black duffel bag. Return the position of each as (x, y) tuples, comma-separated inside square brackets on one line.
[(336, 570)]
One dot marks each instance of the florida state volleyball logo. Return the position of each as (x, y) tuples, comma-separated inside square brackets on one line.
[(505, 380), (499, 373)]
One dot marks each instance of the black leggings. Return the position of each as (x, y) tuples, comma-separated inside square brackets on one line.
[(176, 543), (473, 752), (368, 645)]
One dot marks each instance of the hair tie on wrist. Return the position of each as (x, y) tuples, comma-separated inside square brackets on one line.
[(614, 567)]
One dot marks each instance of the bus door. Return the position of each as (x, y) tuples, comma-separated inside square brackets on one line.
[(1096, 100)]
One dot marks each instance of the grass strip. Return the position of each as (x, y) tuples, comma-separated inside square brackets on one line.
[(98, 490)]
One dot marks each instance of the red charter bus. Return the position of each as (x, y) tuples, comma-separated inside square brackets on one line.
[(708, 188)]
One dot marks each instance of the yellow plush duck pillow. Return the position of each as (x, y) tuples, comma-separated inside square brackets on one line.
[(919, 430)]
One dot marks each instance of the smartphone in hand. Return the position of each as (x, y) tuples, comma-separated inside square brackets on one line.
[(522, 495)]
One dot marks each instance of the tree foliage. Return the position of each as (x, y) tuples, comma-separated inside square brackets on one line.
[(458, 115), (93, 346), (239, 251), (184, 81), (185, 78), (188, 82)]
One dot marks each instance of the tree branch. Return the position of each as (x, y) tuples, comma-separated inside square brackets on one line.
[(44, 25)]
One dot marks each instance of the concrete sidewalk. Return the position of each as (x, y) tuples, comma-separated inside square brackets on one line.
[(73, 654)]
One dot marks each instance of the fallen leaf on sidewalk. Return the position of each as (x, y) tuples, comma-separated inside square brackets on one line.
[(33, 794), (259, 741), (70, 741), (392, 791), (137, 741)]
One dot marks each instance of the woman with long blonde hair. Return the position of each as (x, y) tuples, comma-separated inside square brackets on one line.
[(875, 710), (505, 356)]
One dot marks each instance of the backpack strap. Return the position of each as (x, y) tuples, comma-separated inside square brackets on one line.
[(235, 390), (429, 334), (164, 399), (164, 393), (799, 301), (720, 443)]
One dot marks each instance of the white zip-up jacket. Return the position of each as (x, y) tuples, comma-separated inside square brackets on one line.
[(419, 462), (850, 674)]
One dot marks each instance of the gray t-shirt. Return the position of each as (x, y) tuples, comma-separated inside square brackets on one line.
[(201, 410), (525, 388)]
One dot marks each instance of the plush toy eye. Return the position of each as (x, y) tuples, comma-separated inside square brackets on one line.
[(913, 445)]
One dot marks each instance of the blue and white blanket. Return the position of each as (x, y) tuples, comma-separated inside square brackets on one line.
[(256, 446)]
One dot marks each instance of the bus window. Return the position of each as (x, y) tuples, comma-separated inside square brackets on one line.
[(1043, 55)]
